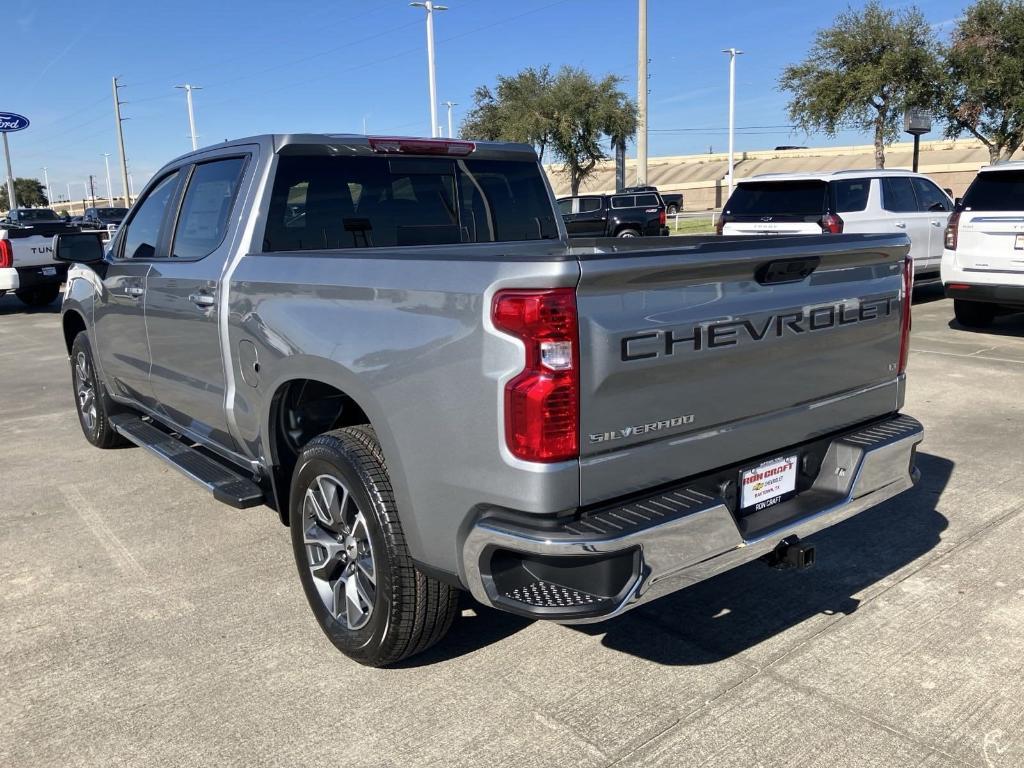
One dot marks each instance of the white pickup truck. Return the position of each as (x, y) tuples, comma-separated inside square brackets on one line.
[(27, 266)]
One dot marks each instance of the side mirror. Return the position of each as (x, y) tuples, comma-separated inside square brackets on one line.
[(938, 207), (78, 247), (958, 202)]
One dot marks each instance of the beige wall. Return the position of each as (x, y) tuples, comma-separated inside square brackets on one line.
[(702, 178)]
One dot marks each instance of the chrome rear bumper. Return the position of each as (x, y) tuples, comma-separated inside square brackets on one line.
[(601, 564)]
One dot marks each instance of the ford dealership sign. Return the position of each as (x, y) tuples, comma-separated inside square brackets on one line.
[(12, 122)]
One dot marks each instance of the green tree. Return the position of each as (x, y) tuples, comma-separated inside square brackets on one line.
[(863, 72), (571, 113), (982, 90), (29, 192)]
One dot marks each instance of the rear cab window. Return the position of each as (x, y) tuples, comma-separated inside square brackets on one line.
[(338, 202), (995, 191), (786, 198)]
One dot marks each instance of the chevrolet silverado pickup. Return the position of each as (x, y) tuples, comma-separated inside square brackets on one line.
[(27, 266), (394, 344)]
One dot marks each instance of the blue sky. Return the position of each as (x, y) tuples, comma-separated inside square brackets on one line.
[(326, 65)]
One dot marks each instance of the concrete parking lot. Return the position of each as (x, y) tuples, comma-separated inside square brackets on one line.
[(142, 623)]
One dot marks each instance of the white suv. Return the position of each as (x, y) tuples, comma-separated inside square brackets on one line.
[(870, 201), (983, 263)]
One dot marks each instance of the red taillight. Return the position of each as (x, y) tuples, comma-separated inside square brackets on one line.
[(831, 224), (408, 146), (952, 230), (662, 218), (908, 292), (6, 254), (542, 402)]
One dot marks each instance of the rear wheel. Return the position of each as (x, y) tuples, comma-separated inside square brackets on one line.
[(628, 233), (671, 209), (974, 314), (93, 405), (39, 297), (355, 568)]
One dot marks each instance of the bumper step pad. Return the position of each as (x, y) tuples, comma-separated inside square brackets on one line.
[(544, 594), (227, 486)]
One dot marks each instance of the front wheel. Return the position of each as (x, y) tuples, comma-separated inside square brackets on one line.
[(94, 407), (355, 568), (974, 314), (39, 297)]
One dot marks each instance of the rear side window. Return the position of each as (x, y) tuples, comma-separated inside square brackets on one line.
[(996, 191), (898, 194), (624, 201), (851, 195), (142, 237), (326, 202), (647, 201), (929, 197), (206, 209), (793, 198), (590, 204)]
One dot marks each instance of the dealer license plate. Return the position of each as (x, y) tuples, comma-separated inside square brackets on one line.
[(48, 271), (1018, 244), (769, 483)]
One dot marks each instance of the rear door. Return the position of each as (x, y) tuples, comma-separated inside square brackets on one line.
[(690, 362), (790, 207), (991, 231), (937, 206), (187, 375), (899, 201)]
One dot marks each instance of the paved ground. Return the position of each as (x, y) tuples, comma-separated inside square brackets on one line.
[(143, 624)]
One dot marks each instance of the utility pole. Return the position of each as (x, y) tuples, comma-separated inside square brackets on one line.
[(430, 7), (69, 191), (188, 88), (450, 104), (120, 141), (92, 190), (110, 192), (733, 53), (641, 97), (46, 181), (12, 200)]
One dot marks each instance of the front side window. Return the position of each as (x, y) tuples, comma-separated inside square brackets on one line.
[(851, 194), (206, 208), (929, 197), (565, 206), (142, 235), (898, 195), (328, 202)]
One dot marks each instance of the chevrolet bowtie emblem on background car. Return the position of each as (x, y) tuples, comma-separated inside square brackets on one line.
[(767, 218)]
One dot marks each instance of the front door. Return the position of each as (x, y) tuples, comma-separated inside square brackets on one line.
[(933, 202), (182, 303), (121, 339), (899, 199)]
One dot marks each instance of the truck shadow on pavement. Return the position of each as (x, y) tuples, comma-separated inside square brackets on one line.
[(718, 618), (11, 305), (1008, 324)]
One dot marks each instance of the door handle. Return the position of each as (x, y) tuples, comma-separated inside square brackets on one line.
[(135, 291), (936, 223), (203, 300), (901, 224)]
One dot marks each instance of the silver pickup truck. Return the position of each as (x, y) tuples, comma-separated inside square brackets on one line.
[(393, 344)]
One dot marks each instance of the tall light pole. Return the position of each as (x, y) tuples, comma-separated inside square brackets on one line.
[(188, 88), (430, 7), (120, 141), (110, 192), (450, 104), (69, 191), (12, 197), (733, 53), (46, 181), (641, 97)]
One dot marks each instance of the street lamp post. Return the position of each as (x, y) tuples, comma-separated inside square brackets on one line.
[(733, 53), (450, 104), (110, 192), (46, 181), (429, 6), (188, 88)]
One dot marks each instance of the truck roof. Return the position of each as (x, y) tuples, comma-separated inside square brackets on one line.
[(829, 175), (1009, 165), (358, 144)]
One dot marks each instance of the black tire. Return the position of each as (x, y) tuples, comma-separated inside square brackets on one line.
[(671, 209), (974, 314), (627, 233), (93, 412), (409, 611), (41, 296)]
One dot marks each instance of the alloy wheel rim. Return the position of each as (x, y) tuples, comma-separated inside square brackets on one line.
[(85, 391), (339, 552)]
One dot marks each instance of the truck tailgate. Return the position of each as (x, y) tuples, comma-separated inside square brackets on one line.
[(698, 356)]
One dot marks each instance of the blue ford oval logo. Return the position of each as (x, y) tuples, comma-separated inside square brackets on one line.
[(12, 122)]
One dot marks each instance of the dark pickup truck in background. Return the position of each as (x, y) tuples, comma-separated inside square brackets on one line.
[(673, 200), (621, 215)]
